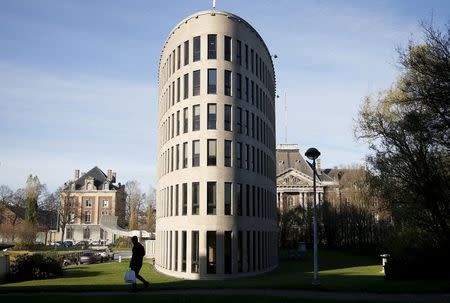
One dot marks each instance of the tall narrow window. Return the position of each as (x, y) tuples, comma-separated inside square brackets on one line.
[(186, 86), (212, 81), (240, 245), (246, 56), (245, 122), (239, 154), (227, 153), (227, 117), (177, 192), (178, 89), (211, 252), (239, 120), (186, 52), (247, 156), (185, 120), (227, 83), (196, 54), (195, 198), (239, 86), (239, 199), (183, 250), (212, 46), (185, 156), (252, 59), (196, 83), (227, 48), (195, 252), (177, 157), (212, 152), (196, 117), (178, 123), (212, 116), (239, 52), (184, 199), (195, 153), (246, 89), (227, 251), (211, 198), (227, 198), (176, 250), (178, 56)]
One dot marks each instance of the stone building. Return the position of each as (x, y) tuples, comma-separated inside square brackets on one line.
[(92, 196), (295, 179), (216, 199)]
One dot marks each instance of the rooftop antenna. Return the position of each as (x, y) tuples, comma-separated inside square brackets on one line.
[(285, 117)]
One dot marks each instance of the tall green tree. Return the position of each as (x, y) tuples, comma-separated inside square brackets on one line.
[(408, 128), (33, 189)]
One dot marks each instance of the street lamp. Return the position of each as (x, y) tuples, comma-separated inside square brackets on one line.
[(312, 154)]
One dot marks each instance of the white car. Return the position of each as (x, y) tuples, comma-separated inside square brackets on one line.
[(106, 254)]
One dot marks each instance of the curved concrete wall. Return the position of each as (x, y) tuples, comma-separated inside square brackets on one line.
[(243, 242)]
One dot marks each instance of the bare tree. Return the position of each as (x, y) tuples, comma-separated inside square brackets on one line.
[(133, 203), (69, 209), (151, 201)]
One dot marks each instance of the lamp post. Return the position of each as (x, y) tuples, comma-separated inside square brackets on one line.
[(312, 154)]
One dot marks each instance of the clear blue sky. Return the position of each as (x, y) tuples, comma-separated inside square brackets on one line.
[(78, 78)]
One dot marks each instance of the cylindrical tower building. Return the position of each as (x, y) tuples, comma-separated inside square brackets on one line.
[(216, 195)]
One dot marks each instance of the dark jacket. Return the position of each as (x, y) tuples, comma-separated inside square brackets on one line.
[(138, 254)]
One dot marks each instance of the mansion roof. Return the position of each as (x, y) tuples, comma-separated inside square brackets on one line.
[(289, 157)]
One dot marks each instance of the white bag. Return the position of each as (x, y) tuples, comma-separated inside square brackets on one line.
[(130, 276)]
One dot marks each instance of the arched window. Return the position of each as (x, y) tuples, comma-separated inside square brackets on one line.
[(86, 233)]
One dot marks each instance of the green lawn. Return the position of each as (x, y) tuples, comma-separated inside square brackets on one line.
[(339, 272)]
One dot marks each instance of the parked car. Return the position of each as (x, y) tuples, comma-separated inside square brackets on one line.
[(90, 258), (82, 244), (106, 254), (68, 243), (56, 243), (95, 243)]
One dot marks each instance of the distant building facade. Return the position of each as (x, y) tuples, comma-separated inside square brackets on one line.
[(91, 197), (295, 180)]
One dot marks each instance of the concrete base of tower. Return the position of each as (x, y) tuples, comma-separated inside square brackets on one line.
[(197, 276)]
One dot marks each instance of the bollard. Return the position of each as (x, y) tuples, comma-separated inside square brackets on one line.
[(120, 259)]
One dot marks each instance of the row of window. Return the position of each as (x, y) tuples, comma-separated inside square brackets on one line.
[(246, 157), (243, 88), (87, 203), (238, 52), (254, 250), (238, 199), (245, 122)]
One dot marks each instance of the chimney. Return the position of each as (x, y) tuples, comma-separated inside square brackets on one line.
[(77, 174), (114, 177), (318, 167), (109, 174)]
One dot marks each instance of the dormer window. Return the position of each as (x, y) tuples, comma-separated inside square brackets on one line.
[(105, 186)]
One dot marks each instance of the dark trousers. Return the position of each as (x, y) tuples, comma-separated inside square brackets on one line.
[(136, 268)]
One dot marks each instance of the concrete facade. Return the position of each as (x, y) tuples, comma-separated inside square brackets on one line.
[(216, 198)]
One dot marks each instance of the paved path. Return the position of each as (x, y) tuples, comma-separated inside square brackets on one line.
[(307, 294)]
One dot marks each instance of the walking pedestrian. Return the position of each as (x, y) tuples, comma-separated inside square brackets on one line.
[(137, 256)]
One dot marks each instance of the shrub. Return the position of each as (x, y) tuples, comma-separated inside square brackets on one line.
[(123, 242), (414, 256), (36, 266)]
